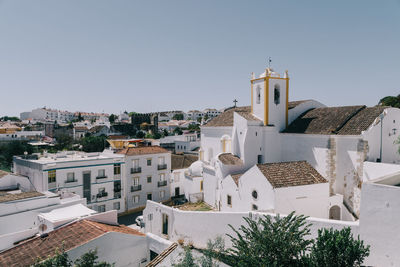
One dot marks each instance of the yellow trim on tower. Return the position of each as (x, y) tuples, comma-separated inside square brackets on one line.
[(266, 97), (252, 97), (287, 101)]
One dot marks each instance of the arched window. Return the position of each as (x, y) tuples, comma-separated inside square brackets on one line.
[(258, 94), (334, 213), (226, 144), (254, 194), (277, 94)]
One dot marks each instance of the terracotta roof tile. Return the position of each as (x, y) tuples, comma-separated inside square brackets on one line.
[(71, 236), (236, 177), (230, 159), (182, 161), (361, 121), (143, 150), (6, 197), (327, 120), (225, 119), (286, 174), (348, 120)]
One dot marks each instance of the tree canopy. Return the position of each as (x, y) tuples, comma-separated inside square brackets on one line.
[(392, 101)]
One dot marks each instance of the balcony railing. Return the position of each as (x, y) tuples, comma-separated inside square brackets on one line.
[(71, 181), (136, 170), (101, 177), (117, 194), (136, 188), (103, 194), (162, 166), (162, 183)]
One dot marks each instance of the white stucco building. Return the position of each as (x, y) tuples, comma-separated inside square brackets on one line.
[(94, 176), (335, 141), (147, 170)]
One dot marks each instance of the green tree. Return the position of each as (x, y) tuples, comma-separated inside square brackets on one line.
[(178, 131), (392, 101), (336, 248), (89, 259), (187, 260), (64, 141), (7, 118), (178, 116), (112, 118), (94, 143), (13, 148), (165, 132), (140, 134), (270, 241), (80, 118), (61, 259)]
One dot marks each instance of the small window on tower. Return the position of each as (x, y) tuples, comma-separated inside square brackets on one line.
[(258, 92), (277, 94)]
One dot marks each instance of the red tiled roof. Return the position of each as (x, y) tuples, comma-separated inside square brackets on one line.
[(142, 150), (348, 120), (230, 159), (71, 236), (286, 174)]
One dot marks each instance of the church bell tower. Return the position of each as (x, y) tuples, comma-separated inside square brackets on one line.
[(270, 97)]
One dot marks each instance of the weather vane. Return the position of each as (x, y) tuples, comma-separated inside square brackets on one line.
[(269, 62)]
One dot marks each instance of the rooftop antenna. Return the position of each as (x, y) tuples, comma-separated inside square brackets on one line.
[(235, 101), (269, 62)]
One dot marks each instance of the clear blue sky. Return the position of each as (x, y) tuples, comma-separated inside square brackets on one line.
[(182, 54)]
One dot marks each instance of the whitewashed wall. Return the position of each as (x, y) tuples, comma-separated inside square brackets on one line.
[(391, 125), (119, 248)]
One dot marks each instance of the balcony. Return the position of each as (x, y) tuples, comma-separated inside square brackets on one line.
[(136, 188), (162, 183), (117, 194), (162, 166), (101, 177), (71, 181), (136, 170), (102, 194)]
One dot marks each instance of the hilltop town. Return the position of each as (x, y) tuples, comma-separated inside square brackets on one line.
[(155, 183)]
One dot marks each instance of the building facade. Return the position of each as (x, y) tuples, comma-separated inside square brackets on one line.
[(147, 170), (94, 176)]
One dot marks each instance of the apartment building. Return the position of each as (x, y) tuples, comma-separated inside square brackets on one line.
[(94, 176), (147, 171)]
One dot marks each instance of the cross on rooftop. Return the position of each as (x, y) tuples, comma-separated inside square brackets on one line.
[(235, 101)]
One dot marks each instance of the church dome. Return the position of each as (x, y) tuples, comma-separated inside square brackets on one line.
[(196, 169)]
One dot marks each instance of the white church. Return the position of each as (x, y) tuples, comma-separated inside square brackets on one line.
[(279, 156)]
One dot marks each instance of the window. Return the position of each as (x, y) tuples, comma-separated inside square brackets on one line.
[(161, 160), (176, 177), (277, 94), (148, 162), (101, 173), (201, 186), (258, 94), (162, 194), (101, 208), (162, 176), (135, 163), (117, 168), (102, 190), (135, 181), (149, 179), (117, 205), (52, 176), (70, 177), (254, 194), (254, 207), (259, 159), (149, 196), (229, 200), (136, 199)]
